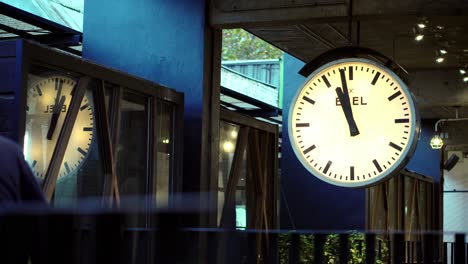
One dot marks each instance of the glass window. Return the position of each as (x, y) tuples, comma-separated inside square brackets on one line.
[(227, 143), (164, 155), (132, 153)]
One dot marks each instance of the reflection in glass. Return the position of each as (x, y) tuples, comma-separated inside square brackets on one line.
[(48, 99), (47, 105), (132, 153), (227, 143), (164, 141)]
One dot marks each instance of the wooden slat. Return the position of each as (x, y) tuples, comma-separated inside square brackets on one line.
[(115, 102), (234, 176), (63, 138), (106, 147)]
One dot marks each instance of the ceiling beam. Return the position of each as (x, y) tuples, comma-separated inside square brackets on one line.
[(255, 14)]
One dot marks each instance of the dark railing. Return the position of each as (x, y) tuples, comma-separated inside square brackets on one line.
[(108, 238)]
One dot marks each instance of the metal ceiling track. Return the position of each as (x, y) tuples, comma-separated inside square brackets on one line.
[(42, 30)]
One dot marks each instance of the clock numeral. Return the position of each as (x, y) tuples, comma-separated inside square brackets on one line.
[(302, 124), (401, 120), (89, 129), (351, 173), (81, 151), (376, 78), (34, 163), (377, 165), (395, 146), (307, 99), (325, 170), (393, 96), (325, 79), (350, 73)]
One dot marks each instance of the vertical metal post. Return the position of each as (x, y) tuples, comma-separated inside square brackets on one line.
[(344, 248), (294, 248), (398, 248), (370, 248), (459, 253), (319, 242)]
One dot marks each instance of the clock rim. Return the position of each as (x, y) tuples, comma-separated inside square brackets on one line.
[(406, 154), (51, 74)]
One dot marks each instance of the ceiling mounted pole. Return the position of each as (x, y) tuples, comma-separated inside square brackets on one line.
[(350, 22)]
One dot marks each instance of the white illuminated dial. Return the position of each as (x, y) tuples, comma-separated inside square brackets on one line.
[(47, 105), (353, 123)]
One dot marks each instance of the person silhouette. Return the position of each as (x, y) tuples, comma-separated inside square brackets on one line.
[(21, 203), (17, 182)]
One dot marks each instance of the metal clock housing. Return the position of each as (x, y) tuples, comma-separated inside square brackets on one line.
[(353, 123)]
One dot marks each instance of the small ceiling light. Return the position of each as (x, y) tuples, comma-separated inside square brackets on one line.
[(439, 57), (443, 51), (465, 79), (418, 34), (439, 27), (421, 25), (462, 71), (436, 142)]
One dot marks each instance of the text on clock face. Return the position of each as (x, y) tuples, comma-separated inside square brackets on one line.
[(355, 100), (50, 108)]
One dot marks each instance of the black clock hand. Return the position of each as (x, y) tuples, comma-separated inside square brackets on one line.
[(348, 112), (343, 95), (55, 115)]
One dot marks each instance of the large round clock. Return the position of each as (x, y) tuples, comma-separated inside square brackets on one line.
[(353, 123), (47, 104)]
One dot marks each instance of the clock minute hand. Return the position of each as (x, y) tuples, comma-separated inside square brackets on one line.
[(55, 115), (348, 112)]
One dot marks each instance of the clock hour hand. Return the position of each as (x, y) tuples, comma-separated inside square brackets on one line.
[(348, 112), (55, 115)]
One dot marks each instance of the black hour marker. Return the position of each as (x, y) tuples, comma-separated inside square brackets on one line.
[(309, 149), (67, 167), (34, 163), (87, 129), (395, 95), (302, 124), (83, 107), (402, 120), (377, 165), (39, 91), (81, 151), (376, 77), (351, 172), (350, 72), (307, 99), (395, 146), (327, 167), (326, 81)]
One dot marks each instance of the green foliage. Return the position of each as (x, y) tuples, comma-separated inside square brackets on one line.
[(239, 44), (357, 249)]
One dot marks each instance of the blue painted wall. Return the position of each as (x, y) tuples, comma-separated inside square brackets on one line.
[(309, 203), (158, 40)]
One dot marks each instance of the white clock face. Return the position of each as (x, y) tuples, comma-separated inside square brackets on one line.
[(49, 99), (362, 138)]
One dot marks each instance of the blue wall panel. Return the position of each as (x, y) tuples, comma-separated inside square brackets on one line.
[(425, 160), (309, 203), (162, 41)]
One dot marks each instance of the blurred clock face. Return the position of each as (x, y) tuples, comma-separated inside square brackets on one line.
[(48, 100)]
